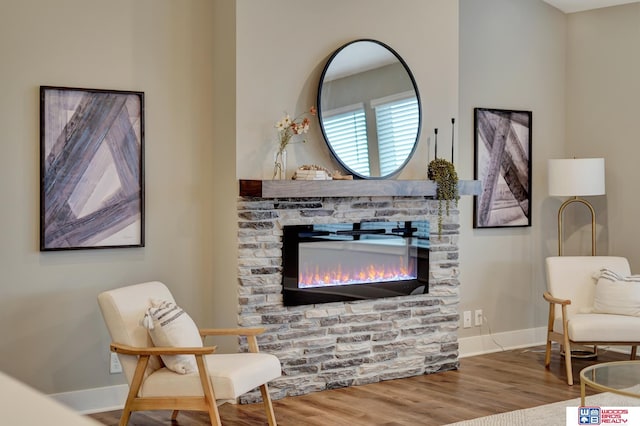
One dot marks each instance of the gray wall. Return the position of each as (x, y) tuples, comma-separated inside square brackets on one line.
[(53, 336), (281, 51), (512, 56), (603, 111)]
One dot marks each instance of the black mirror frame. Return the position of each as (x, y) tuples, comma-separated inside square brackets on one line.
[(319, 107)]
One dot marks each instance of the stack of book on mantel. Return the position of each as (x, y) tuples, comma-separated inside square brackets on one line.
[(304, 174)]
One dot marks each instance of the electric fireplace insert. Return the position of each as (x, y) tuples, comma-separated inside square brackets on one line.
[(334, 262)]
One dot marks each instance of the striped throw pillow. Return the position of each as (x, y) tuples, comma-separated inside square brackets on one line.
[(617, 294), (169, 325)]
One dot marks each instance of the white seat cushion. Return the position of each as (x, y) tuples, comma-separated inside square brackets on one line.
[(601, 328), (231, 375)]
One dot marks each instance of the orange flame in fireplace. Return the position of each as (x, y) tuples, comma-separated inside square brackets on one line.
[(317, 276)]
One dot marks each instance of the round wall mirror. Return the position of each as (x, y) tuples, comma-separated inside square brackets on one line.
[(369, 109)]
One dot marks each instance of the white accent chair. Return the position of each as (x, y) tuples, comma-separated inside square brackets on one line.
[(571, 290), (220, 378)]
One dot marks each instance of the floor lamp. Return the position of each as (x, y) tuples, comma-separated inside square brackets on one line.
[(575, 178)]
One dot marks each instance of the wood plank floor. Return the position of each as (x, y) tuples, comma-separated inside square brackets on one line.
[(483, 385)]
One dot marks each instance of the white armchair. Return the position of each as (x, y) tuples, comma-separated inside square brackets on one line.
[(152, 386), (572, 318)]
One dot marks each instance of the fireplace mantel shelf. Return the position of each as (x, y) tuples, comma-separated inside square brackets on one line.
[(348, 188)]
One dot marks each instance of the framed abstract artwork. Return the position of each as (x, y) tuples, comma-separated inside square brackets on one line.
[(91, 168), (503, 164)]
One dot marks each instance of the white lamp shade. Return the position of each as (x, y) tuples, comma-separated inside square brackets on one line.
[(576, 177)]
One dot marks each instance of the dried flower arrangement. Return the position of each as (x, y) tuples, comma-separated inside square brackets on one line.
[(287, 129)]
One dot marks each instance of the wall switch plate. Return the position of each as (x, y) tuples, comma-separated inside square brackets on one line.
[(478, 315), (114, 364), (466, 319)]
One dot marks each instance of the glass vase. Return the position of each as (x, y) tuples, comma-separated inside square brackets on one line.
[(280, 165)]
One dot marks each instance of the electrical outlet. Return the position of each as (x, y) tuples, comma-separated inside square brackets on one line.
[(478, 314), (114, 364), (466, 319)]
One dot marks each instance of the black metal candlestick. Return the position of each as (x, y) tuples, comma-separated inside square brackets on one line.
[(453, 120), (436, 143)]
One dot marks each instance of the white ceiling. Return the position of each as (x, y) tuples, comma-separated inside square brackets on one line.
[(570, 6)]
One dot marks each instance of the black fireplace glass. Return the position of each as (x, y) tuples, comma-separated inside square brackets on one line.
[(353, 261)]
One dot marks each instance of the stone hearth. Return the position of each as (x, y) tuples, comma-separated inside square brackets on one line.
[(342, 344)]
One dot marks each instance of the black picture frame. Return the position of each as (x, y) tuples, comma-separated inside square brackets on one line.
[(502, 147), (91, 168)]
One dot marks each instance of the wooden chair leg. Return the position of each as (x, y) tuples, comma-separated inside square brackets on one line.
[(268, 406), (174, 415), (547, 354), (124, 418), (134, 388), (634, 350), (567, 346), (214, 414), (567, 360)]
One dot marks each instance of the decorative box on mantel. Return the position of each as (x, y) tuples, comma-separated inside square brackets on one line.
[(338, 344)]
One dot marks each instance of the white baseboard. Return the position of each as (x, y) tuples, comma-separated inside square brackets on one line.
[(109, 398), (96, 400), (484, 344)]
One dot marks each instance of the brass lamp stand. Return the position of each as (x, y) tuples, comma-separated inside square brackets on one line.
[(576, 199)]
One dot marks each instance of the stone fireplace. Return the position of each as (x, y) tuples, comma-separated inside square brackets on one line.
[(345, 343)]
